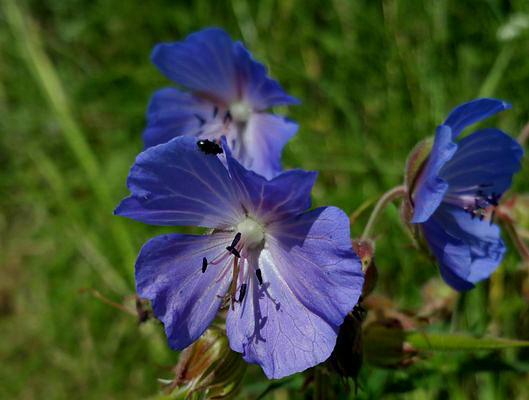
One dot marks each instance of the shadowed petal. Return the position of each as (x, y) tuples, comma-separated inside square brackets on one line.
[(467, 249), (173, 113), (430, 187), (169, 274), (273, 329), (313, 254), (286, 194), (177, 184), (311, 280), (468, 113), (488, 157), (262, 143)]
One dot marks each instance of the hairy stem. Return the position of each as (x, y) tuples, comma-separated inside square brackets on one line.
[(524, 135), (386, 198), (520, 245)]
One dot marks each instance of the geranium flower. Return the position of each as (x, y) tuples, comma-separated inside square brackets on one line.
[(228, 95), (286, 276), (457, 190)]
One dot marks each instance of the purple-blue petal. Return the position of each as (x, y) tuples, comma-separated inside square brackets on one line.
[(487, 158), (210, 63), (473, 111), (330, 280), (430, 187), (467, 249), (177, 184), (311, 280), (203, 63), (169, 274), (261, 92), (269, 200), (173, 113), (262, 142)]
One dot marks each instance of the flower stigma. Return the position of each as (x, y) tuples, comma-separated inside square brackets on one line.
[(252, 232), (240, 111)]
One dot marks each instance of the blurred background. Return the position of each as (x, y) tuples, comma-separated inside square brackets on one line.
[(374, 77)]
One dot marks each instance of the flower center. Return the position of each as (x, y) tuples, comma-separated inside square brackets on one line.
[(252, 233), (249, 236), (240, 111), (474, 200)]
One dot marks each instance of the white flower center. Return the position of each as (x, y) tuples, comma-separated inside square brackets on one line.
[(240, 111), (252, 233)]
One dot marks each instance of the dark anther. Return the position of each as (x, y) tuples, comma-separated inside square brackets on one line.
[(201, 120), (204, 264), (227, 117), (493, 199), (234, 251), (209, 147), (215, 111), (242, 292), (259, 276), (236, 239), (492, 217)]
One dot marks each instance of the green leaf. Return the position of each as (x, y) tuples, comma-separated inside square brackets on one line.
[(450, 342)]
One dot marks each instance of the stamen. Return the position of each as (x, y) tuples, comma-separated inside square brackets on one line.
[(233, 285), (242, 292), (477, 204), (201, 120), (259, 276), (236, 240), (227, 117), (218, 259), (234, 251), (204, 264), (215, 111)]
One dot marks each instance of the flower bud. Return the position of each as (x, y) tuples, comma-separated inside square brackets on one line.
[(208, 366), (414, 166), (346, 358), (365, 250), (384, 344)]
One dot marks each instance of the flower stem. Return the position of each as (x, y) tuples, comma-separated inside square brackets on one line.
[(520, 245), (386, 198), (524, 135)]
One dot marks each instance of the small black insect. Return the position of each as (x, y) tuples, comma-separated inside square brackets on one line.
[(209, 147), (204, 264)]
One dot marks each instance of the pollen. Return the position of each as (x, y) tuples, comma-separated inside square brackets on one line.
[(251, 232)]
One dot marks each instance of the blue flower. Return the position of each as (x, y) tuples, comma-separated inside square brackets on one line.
[(455, 195), (228, 95), (286, 276)]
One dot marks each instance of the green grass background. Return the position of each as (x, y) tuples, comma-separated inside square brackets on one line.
[(374, 77)]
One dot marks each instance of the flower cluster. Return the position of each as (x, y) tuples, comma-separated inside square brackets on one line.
[(286, 277), (282, 277)]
